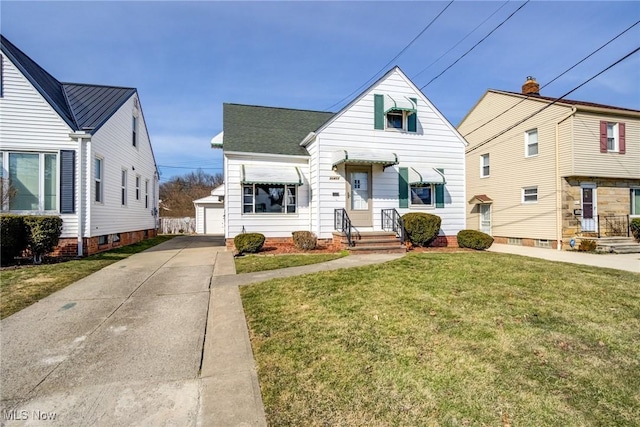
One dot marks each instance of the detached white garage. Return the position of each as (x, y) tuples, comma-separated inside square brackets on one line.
[(210, 213)]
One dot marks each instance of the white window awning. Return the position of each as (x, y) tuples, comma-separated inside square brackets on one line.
[(365, 157), (267, 174), (399, 103), (426, 176)]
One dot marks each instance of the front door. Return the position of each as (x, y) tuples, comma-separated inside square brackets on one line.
[(359, 195), (589, 207), (485, 218)]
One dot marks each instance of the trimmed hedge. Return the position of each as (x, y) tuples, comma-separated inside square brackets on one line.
[(474, 239), (248, 242), (44, 234), (40, 234), (13, 236), (422, 228), (305, 240), (635, 228)]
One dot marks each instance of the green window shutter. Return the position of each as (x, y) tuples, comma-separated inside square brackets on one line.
[(412, 120), (440, 193), (403, 188), (378, 114)]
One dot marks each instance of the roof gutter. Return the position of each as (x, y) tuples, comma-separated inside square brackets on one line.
[(559, 180), (609, 111), (307, 139)]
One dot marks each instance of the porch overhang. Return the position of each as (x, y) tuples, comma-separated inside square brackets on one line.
[(365, 157), (263, 174), (399, 103), (426, 176), (480, 199)]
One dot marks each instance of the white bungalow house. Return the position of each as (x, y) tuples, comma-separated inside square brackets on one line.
[(80, 151), (350, 173)]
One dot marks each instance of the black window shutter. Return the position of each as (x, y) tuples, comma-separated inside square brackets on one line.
[(67, 181), (403, 188), (440, 193), (378, 114), (412, 120)]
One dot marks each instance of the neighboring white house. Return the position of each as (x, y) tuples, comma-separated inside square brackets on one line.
[(79, 151), (210, 212), (388, 152)]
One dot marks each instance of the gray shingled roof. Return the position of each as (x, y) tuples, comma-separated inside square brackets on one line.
[(255, 129), (81, 106)]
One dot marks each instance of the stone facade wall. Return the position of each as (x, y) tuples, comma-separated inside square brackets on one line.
[(612, 198)]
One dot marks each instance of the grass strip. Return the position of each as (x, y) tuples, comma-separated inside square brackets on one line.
[(253, 263)]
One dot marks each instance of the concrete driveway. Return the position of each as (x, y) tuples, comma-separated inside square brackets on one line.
[(120, 347)]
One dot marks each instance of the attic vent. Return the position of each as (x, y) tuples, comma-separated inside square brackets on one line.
[(135, 103)]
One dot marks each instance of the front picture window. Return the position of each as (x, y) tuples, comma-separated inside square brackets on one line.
[(422, 194), (33, 176), (269, 198)]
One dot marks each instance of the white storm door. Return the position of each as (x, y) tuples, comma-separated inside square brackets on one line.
[(485, 218)]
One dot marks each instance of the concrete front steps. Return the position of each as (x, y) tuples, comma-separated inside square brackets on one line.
[(617, 245), (372, 242)]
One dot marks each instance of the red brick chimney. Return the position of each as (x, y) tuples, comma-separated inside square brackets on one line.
[(531, 87)]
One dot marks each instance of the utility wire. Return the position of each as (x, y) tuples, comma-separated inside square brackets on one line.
[(475, 45), (461, 40), (554, 79), (393, 60), (486, 141), (187, 167)]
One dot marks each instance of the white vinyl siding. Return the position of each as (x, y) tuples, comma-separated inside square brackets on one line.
[(434, 144), (29, 124), (113, 142)]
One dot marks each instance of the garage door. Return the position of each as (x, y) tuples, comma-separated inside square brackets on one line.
[(214, 220)]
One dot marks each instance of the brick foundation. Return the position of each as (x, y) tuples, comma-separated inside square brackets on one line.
[(68, 247), (523, 241)]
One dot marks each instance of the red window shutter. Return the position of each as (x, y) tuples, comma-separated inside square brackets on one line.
[(621, 138), (603, 137)]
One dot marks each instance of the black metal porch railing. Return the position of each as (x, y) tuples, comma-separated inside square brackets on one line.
[(613, 225), (342, 223), (392, 221)]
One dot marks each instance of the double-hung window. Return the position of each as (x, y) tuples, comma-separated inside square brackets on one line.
[(134, 132), (98, 178), (146, 193), (269, 198), (123, 188), (33, 179), (634, 209), (138, 179), (422, 194), (612, 137), (530, 195), (484, 166), (531, 143)]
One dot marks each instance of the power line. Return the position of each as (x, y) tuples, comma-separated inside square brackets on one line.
[(394, 58), (554, 79), (551, 103), (475, 45), (461, 40), (187, 167)]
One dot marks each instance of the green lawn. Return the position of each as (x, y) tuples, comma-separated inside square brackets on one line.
[(449, 340), (253, 263), (21, 287)]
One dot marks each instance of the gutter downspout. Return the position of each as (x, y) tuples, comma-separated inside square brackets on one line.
[(81, 136), (559, 181)]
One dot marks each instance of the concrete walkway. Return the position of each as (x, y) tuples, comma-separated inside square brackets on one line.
[(627, 262), (157, 339)]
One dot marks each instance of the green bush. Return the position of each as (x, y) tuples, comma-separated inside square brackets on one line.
[(587, 245), (248, 242), (422, 228), (43, 234), (305, 240), (474, 239), (13, 237), (635, 228)]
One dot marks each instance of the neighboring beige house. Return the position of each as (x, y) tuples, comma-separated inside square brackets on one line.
[(545, 173)]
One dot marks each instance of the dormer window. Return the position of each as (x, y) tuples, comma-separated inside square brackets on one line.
[(395, 113)]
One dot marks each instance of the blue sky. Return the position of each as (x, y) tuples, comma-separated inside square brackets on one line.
[(187, 58)]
